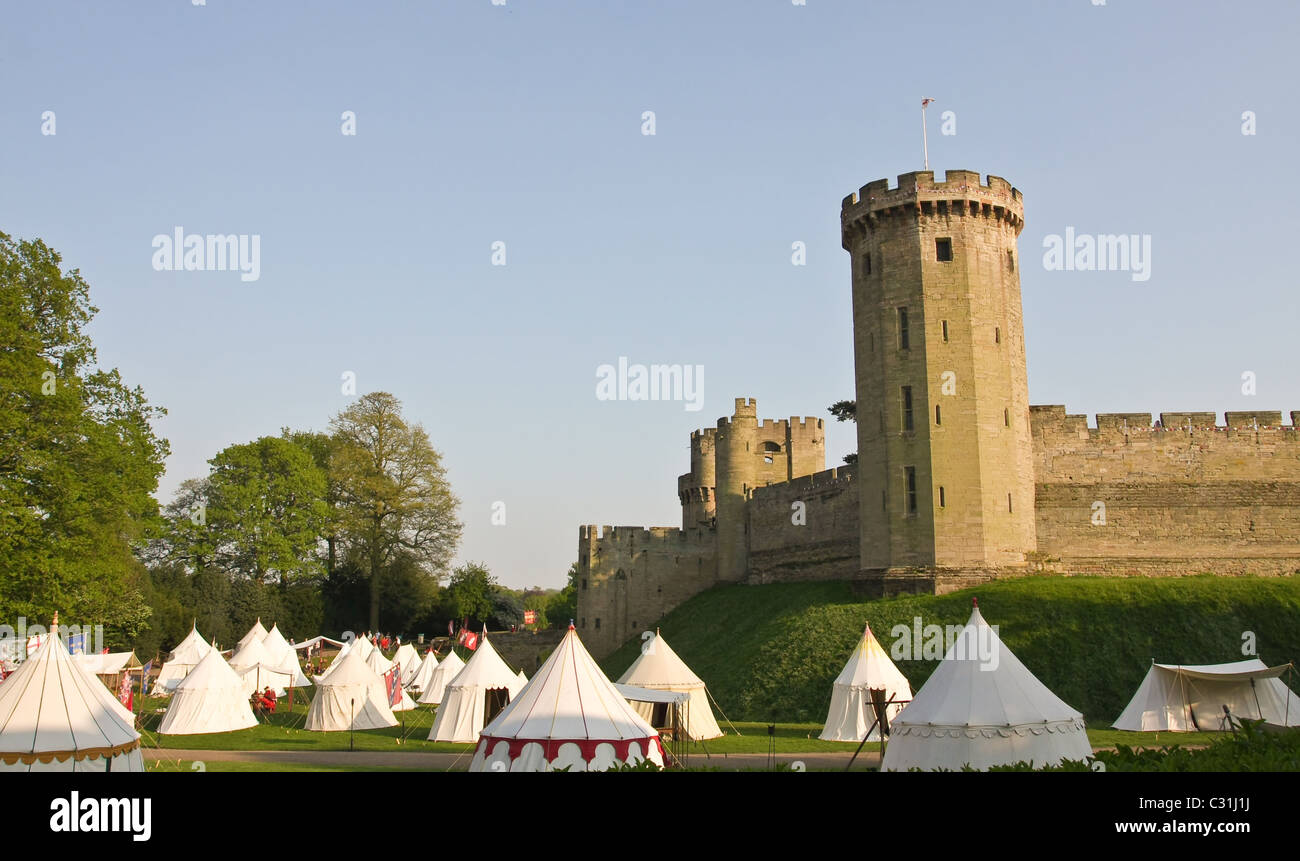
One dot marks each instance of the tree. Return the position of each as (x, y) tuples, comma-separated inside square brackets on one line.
[(563, 605), (846, 411), (266, 510), (470, 589), (393, 492), (79, 459)]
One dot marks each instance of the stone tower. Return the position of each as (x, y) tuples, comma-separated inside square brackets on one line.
[(736, 449), (945, 452)]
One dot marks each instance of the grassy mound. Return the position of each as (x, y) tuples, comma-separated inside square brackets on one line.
[(771, 652)]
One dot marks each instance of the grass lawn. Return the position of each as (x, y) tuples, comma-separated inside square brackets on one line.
[(283, 731), (770, 653)]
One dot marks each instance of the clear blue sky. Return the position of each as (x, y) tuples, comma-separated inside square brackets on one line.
[(522, 123)]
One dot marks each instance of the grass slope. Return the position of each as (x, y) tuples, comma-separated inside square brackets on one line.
[(772, 652)]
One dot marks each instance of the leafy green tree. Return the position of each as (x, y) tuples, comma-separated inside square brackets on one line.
[(79, 459), (846, 411), (267, 510), (393, 492), (563, 604), (507, 608), (470, 590)]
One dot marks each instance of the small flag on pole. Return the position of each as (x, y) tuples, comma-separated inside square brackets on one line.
[(471, 641)]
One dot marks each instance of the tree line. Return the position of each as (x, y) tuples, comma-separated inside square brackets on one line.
[(353, 528)]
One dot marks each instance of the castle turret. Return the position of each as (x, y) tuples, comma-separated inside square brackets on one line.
[(737, 464), (697, 488), (944, 444)]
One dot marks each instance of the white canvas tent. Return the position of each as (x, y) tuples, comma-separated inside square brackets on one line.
[(436, 686), (410, 661), (1185, 698), (55, 716), (279, 649), (184, 657), (108, 663), (257, 632), (658, 667), (851, 714), (476, 689), (981, 707), (349, 696), (212, 698), (258, 669), (423, 676), (568, 715)]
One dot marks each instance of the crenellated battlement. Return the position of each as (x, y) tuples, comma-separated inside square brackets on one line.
[(828, 478), (1053, 419), (960, 193)]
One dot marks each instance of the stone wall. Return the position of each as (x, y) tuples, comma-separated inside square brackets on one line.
[(1181, 496), (629, 577), (822, 546)]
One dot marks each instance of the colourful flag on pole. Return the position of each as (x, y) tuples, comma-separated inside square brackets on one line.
[(393, 684), (471, 641), (125, 693), (451, 629), (530, 617)]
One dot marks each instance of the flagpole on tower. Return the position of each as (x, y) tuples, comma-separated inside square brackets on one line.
[(925, 145)]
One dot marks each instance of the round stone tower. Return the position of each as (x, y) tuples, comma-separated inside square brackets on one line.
[(945, 459), (736, 442)]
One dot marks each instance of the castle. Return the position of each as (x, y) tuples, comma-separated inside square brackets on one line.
[(958, 479)]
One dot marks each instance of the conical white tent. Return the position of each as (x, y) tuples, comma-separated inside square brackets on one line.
[(1185, 698), (184, 657), (659, 668), (279, 649), (436, 687), (410, 662), (379, 665), (258, 669), (212, 698), (851, 714), (522, 678), (55, 716), (350, 696), (422, 676), (363, 646), (568, 715), (981, 707), (257, 632), (461, 715)]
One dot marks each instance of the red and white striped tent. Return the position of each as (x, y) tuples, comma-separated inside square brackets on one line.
[(569, 714)]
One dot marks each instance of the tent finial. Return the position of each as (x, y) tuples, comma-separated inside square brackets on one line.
[(975, 602)]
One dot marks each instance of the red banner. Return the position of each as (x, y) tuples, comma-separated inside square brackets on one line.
[(530, 617)]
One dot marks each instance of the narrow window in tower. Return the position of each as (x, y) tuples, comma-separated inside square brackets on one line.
[(942, 499), (866, 264), (938, 419), (909, 473), (1008, 503), (997, 334), (882, 421), (1006, 417), (871, 340), (943, 250), (584, 621), (945, 331), (907, 408), (584, 583), (1011, 261), (904, 339), (597, 623)]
